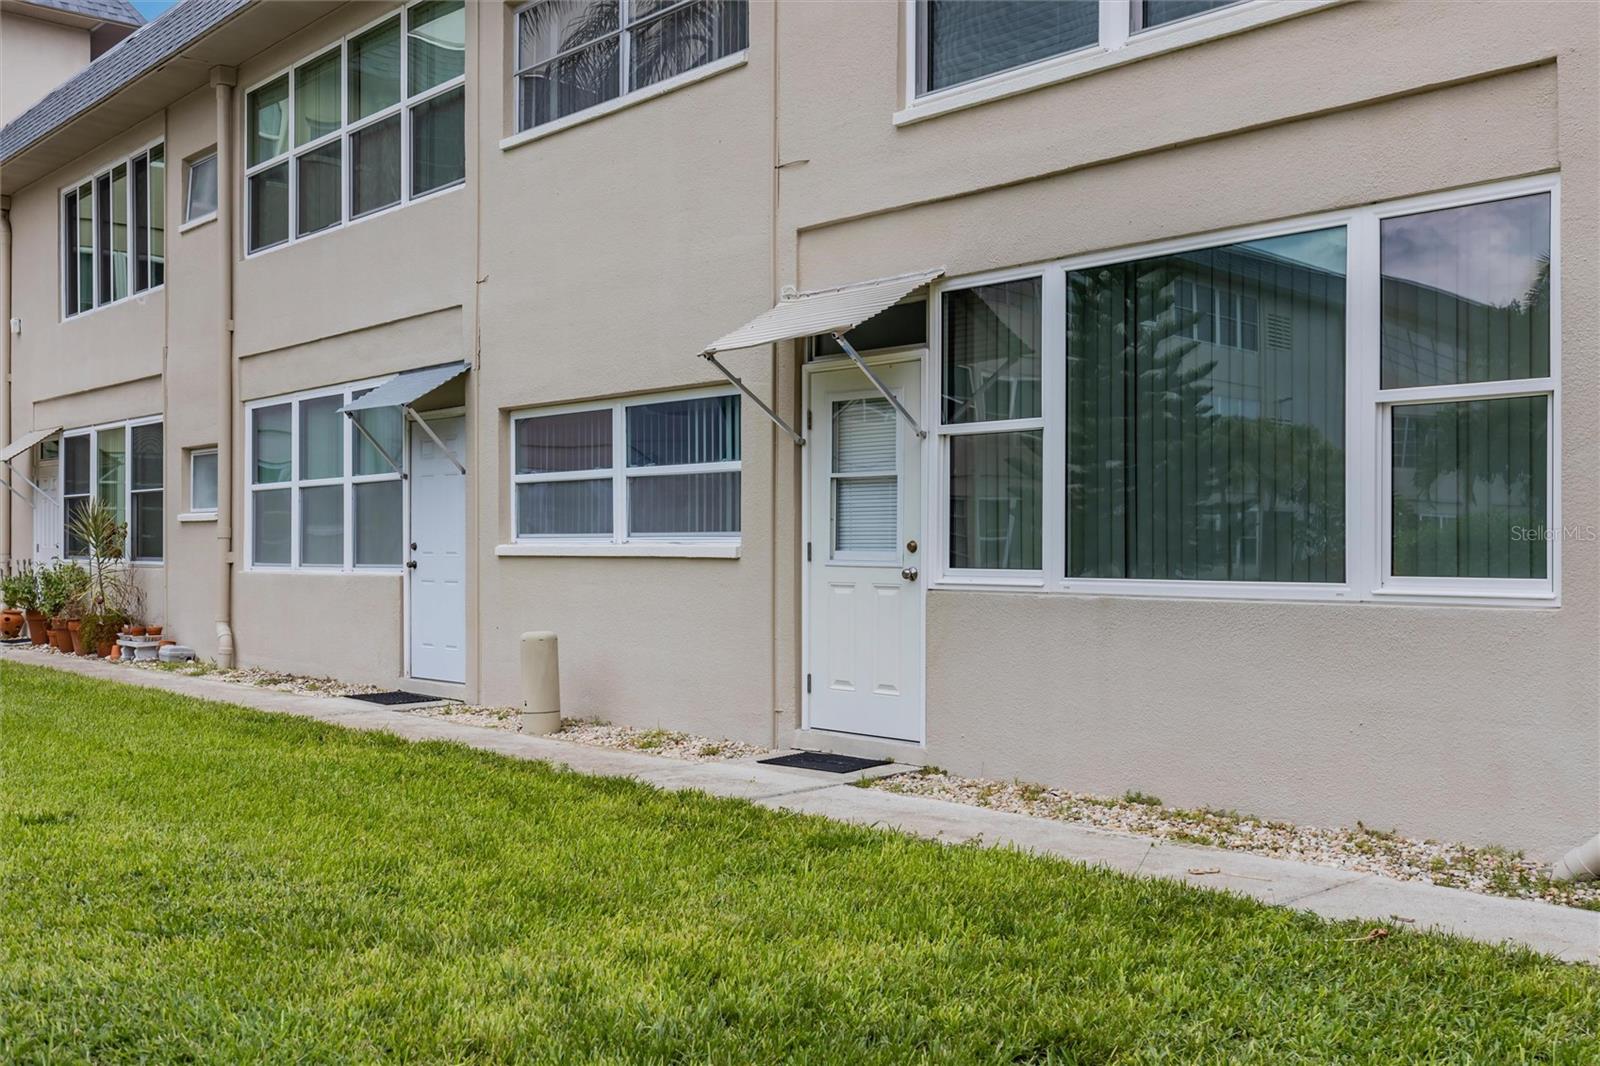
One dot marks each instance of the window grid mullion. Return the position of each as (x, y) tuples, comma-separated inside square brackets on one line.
[(619, 474)]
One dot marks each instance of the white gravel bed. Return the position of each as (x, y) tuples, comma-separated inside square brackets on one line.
[(666, 742), (1493, 871)]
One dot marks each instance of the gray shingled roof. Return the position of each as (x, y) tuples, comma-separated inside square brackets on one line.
[(118, 11), (145, 50)]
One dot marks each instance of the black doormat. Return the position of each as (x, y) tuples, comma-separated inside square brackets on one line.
[(396, 698), (819, 760)]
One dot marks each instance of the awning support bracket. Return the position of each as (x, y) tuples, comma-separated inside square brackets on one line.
[(14, 491), (14, 472), (753, 398), (393, 463), (419, 420), (878, 384)]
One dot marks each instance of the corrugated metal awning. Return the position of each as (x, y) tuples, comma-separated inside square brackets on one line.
[(838, 310), (406, 388), (26, 441)]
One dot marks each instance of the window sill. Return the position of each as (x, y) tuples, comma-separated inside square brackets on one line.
[(1252, 592), (198, 516), (1141, 45), (621, 103), (639, 549), (196, 223)]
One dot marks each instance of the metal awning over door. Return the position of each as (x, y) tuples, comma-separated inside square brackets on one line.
[(402, 391), (834, 311), (16, 448)]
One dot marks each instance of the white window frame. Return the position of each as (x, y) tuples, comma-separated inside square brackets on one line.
[(349, 479), (1120, 42), (92, 434), (292, 153), (193, 455), (619, 473), (1367, 406), (69, 254), (189, 166), (626, 26)]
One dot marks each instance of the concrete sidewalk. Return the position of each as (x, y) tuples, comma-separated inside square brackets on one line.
[(1564, 932)]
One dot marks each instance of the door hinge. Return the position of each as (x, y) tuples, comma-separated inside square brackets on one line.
[(808, 551), (808, 419), (808, 684)]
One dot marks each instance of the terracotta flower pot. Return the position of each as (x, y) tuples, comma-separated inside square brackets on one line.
[(10, 624), (104, 647), (136, 631), (75, 632), (60, 635), (152, 631), (38, 627), (116, 652)]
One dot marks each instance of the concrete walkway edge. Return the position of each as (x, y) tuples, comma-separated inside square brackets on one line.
[(1564, 932)]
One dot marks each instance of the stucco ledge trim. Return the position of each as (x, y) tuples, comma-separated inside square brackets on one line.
[(649, 549)]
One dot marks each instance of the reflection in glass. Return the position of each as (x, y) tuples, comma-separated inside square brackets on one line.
[(267, 121), (111, 474), (1205, 428), (270, 527), (991, 352), (271, 446), (968, 39), (996, 521), (1154, 13), (690, 36), (386, 425), (147, 445), (316, 98), (437, 40), (321, 438), (203, 481), (1470, 488), (1466, 294), (156, 243), (676, 432), (374, 79)]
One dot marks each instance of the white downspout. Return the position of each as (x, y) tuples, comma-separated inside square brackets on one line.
[(223, 80), (5, 371), (1582, 863)]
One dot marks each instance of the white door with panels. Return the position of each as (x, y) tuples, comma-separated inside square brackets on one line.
[(437, 562), (47, 525), (864, 555)]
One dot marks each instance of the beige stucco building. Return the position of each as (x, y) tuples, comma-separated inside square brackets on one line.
[(1229, 432)]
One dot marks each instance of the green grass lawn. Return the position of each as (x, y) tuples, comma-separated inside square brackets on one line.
[(182, 880)]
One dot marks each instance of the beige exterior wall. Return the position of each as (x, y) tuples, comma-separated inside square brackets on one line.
[(35, 57), (595, 261)]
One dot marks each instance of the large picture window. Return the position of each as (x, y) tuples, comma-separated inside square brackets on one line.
[(650, 469), (575, 54), (321, 496), (121, 465), (374, 121), (114, 233)]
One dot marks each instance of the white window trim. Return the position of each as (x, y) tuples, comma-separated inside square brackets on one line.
[(619, 542), (1119, 43), (348, 480), (1367, 459), (92, 434), (193, 512), (69, 255), (347, 129), (625, 97), (188, 192)]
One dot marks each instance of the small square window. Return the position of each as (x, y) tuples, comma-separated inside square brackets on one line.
[(203, 481), (200, 188)]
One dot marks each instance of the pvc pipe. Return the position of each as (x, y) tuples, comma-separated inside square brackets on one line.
[(541, 684), (5, 372), (1582, 863), (223, 80)]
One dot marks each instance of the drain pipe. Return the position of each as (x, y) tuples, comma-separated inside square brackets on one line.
[(223, 79), (1582, 863), (5, 372)]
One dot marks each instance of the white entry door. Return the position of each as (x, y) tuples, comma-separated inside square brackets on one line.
[(864, 646), (47, 527), (438, 562)]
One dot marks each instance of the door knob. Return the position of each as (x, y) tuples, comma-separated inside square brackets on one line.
[(909, 573)]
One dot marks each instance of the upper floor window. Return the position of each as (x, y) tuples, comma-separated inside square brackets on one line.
[(374, 121), (575, 54), (960, 41), (113, 233), (200, 188)]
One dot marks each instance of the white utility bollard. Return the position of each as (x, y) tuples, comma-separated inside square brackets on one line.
[(541, 684)]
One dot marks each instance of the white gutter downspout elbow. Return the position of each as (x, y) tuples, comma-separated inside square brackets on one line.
[(1582, 863), (223, 80)]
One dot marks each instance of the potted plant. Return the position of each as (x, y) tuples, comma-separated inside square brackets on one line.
[(107, 600), (21, 593), (59, 586)]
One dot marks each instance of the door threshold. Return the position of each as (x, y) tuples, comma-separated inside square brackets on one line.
[(900, 751)]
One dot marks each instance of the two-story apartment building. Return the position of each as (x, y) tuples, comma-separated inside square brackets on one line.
[(1120, 394)]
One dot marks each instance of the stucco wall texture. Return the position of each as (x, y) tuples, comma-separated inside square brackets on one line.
[(596, 260)]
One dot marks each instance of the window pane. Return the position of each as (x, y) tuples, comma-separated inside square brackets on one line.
[(102, 222), (866, 514), (684, 431), (272, 444), (552, 27), (1160, 12), (375, 166), (684, 503), (374, 59), (76, 546), (157, 243), (566, 86), (69, 222), (386, 425), (111, 470), (147, 525), (691, 36), (865, 437), (270, 527), (75, 458), (147, 443), (321, 438), (905, 325), (996, 521), (553, 508), (141, 224), (549, 444), (438, 142), (1206, 406), (322, 526), (320, 188), (267, 121), (1466, 294), (991, 352), (1471, 488), (202, 189), (203, 481), (968, 39), (437, 43), (120, 274), (269, 207), (85, 248), (316, 98), (378, 523)]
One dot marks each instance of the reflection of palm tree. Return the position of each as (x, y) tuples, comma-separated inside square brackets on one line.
[(660, 45)]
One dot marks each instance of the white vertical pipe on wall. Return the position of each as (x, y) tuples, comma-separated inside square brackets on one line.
[(5, 372), (223, 79)]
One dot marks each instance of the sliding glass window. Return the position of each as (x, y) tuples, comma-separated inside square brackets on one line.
[(964, 40), (114, 233), (121, 465)]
